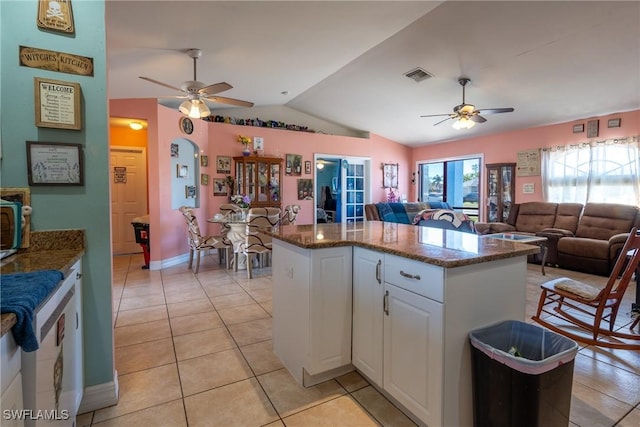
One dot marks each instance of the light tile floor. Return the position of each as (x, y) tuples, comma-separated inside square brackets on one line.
[(196, 351)]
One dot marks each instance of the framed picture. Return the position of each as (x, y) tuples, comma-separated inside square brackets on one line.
[(307, 167), (57, 104), (190, 191), (182, 171), (258, 143), (613, 123), (220, 187), (204, 179), (305, 189), (592, 128), (390, 175), (54, 163), (293, 165), (204, 161), (578, 128), (175, 150), (223, 164)]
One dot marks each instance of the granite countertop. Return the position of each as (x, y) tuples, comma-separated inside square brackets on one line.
[(444, 248), (48, 250)]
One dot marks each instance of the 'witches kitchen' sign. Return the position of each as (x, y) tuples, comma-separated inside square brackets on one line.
[(55, 61)]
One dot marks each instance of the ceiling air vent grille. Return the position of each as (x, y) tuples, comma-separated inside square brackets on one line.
[(418, 74)]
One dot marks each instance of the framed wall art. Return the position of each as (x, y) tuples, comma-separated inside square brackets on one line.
[(390, 175), (182, 171), (220, 187), (204, 161), (579, 128), (293, 165), (190, 191), (592, 128), (57, 104), (305, 189), (613, 123), (175, 150), (204, 179), (52, 163), (307, 167), (223, 164)]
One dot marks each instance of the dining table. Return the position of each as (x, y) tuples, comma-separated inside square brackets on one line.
[(237, 234)]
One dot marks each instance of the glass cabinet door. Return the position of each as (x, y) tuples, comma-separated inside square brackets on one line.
[(500, 191), (260, 179)]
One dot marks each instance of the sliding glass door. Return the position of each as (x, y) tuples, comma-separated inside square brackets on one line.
[(453, 181)]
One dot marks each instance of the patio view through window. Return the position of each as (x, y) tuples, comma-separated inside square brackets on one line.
[(456, 182)]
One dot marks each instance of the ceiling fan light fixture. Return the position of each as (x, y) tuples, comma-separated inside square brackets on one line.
[(319, 165), (194, 108), (463, 123)]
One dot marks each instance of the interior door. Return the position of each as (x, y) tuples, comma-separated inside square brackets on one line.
[(128, 196)]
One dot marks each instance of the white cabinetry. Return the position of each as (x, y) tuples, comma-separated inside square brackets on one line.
[(11, 381), (312, 311), (53, 374), (398, 331), (368, 293)]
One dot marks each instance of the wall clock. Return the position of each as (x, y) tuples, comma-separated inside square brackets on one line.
[(186, 125)]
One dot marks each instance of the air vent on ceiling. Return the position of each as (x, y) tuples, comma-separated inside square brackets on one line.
[(418, 74)]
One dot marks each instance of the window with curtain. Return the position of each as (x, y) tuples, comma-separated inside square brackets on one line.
[(602, 172)]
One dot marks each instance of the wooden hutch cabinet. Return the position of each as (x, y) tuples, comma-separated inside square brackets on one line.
[(501, 179), (260, 178)]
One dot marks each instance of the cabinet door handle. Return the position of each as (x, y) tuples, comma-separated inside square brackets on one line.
[(385, 303), (77, 320), (409, 276), (378, 265)]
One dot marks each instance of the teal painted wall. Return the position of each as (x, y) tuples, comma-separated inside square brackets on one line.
[(85, 207)]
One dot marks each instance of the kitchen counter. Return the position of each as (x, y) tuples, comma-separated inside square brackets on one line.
[(397, 303), (48, 250), (444, 248)]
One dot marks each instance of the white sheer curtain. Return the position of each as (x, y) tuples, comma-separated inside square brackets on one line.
[(605, 171)]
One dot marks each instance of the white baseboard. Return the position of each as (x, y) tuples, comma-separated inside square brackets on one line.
[(100, 396), (158, 265)]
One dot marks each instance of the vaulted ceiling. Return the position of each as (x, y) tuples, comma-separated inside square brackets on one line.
[(344, 62)]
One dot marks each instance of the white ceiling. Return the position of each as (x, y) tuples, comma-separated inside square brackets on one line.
[(344, 61)]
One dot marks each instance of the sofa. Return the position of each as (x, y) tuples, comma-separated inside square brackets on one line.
[(431, 214), (583, 238)]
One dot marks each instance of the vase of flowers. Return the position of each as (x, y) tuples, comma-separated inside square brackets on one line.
[(243, 202), (245, 141)]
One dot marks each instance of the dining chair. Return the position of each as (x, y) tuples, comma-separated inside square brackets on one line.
[(593, 309), (197, 242), (256, 242), (290, 214)]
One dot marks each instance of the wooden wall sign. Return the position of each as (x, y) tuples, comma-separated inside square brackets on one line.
[(55, 61), (57, 104), (56, 15)]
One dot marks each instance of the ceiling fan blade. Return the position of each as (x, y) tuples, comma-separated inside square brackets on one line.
[(215, 88), (160, 83), (442, 121), (478, 118), (495, 110), (437, 115), (230, 101)]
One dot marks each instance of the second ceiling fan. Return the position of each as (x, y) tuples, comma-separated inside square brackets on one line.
[(197, 92), (467, 115)]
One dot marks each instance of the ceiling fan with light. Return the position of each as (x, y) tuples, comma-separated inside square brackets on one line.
[(466, 116), (197, 92)]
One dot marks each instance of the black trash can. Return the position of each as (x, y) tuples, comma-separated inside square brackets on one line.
[(522, 375), (141, 228)]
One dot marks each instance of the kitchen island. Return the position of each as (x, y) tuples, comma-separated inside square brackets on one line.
[(396, 302)]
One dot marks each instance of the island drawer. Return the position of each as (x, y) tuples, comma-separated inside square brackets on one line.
[(414, 276)]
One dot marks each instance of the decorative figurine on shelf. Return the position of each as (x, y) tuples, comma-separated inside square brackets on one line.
[(245, 140), (392, 197)]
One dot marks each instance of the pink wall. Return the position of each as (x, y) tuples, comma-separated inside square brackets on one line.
[(214, 139), (504, 148)]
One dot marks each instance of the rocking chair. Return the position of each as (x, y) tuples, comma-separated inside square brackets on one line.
[(590, 308)]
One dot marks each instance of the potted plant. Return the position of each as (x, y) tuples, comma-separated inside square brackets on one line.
[(245, 141)]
